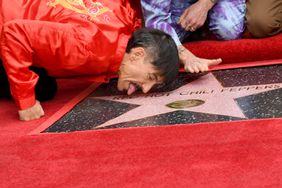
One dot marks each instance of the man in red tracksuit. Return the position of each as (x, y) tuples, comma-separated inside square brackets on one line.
[(70, 38), (86, 38)]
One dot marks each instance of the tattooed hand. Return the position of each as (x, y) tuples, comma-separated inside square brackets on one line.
[(195, 64)]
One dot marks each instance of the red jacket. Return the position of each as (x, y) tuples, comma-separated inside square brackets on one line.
[(68, 38)]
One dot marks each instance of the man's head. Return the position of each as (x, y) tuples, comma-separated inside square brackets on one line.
[(151, 58)]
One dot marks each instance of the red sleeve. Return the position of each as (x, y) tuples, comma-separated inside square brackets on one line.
[(20, 42), (16, 54)]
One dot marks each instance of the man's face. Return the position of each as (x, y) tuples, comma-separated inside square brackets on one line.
[(135, 73)]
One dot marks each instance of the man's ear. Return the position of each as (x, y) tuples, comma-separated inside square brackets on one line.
[(137, 53)]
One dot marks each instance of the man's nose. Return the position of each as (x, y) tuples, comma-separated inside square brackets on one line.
[(146, 87)]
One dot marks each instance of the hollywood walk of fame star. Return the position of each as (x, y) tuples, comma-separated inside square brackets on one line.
[(219, 100)]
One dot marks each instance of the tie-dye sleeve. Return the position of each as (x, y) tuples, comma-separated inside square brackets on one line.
[(157, 15)]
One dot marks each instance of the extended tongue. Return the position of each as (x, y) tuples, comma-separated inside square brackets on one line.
[(131, 89)]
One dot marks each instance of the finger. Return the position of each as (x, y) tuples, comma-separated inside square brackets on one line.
[(214, 62), (36, 117), (180, 19), (189, 69), (40, 109), (192, 28), (186, 20), (42, 113), (22, 119), (21, 116), (183, 16), (187, 28), (193, 67), (203, 67), (193, 25), (182, 22), (196, 68)]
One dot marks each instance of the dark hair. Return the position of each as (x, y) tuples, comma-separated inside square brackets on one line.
[(161, 47)]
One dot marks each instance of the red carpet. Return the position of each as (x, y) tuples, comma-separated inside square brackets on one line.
[(236, 51), (237, 155), (240, 154), (68, 89)]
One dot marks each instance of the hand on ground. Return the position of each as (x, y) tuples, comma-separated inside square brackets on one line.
[(34, 112), (195, 64)]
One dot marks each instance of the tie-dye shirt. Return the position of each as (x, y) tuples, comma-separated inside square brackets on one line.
[(226, 18)]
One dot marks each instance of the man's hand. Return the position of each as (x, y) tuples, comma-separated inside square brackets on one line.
[(195, 64), (195, 15), (34, 112)]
